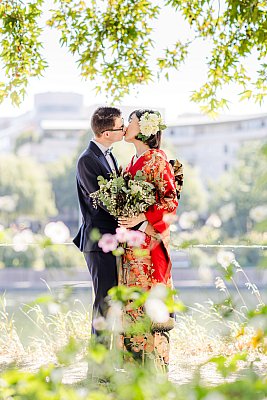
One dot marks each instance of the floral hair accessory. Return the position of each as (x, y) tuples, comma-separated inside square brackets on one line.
[(150, 124)]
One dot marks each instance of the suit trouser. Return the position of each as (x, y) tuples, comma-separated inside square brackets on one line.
[(103, 270)]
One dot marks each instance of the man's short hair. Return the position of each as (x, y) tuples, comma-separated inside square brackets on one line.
[(103, 119)]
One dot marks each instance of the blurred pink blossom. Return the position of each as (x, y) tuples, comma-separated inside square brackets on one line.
[(108, 242), (135, 238), (122, 234)]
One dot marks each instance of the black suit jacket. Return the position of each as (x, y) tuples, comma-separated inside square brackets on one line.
[(91, 164)]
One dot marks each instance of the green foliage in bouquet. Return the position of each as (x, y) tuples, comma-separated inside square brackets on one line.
[(123, 196)]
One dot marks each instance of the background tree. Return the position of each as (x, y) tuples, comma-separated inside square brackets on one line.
[(112, 42), (25, 191), (24, 138), (194, 196), (243, 188), (62, 175)]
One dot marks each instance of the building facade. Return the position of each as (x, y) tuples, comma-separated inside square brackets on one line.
[(59, 120), (212, 146)]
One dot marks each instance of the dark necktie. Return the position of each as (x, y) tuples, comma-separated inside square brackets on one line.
[(108, 151)]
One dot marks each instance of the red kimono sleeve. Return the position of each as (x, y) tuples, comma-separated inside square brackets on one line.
[(167, 202)]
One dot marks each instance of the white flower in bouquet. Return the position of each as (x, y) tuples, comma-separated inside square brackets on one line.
[(136, 189), (123, 196)]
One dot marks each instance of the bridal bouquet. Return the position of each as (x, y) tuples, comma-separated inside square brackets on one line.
[(123, 195)]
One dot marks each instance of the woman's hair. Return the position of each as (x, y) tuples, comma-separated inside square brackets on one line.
[(103, 119), (153, 141)]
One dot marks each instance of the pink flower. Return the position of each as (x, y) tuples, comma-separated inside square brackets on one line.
[(108, 242), (135, 238), (122, 234)]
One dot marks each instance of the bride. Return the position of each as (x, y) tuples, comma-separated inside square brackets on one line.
[(154, 267)]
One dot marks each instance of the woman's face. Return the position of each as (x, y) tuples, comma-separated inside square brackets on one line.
[(133, 129)]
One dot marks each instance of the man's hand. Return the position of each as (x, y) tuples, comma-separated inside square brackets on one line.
[(130, 222)]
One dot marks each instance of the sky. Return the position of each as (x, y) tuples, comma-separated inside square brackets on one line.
[(173, 95)]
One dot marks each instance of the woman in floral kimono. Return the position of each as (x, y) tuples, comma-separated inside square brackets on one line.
[(154, 268)]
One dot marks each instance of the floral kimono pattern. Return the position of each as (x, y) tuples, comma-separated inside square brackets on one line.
[(154, 266)]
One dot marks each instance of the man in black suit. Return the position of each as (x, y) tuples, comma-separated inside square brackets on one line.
[(108, 127)]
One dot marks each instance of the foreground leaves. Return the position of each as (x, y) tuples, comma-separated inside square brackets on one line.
[(113, 45)]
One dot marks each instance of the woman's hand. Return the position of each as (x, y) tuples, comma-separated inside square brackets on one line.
[(130, 222), (150, 231)]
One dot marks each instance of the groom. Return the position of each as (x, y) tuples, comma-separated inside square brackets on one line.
[(108, 127)]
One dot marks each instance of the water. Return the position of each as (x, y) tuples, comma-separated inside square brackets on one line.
[(16, 299)]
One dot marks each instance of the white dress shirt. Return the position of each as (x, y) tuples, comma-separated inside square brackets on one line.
[(108, 157)]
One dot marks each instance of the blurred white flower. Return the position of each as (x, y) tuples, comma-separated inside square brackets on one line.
[(114, 317), (53, 308), (22, 239), (156, 310), (244, 188), (219, 284), (205, 273), (99, 323), (214, 221), (170, 218), (259, 213), (227, 211), (214, 396), (158, 292), (173, 228), (58, 232), (8, 203), (225, 258), (57, 375), (187, 219)]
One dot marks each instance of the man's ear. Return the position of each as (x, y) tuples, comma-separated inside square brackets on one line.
[(106, 134)]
